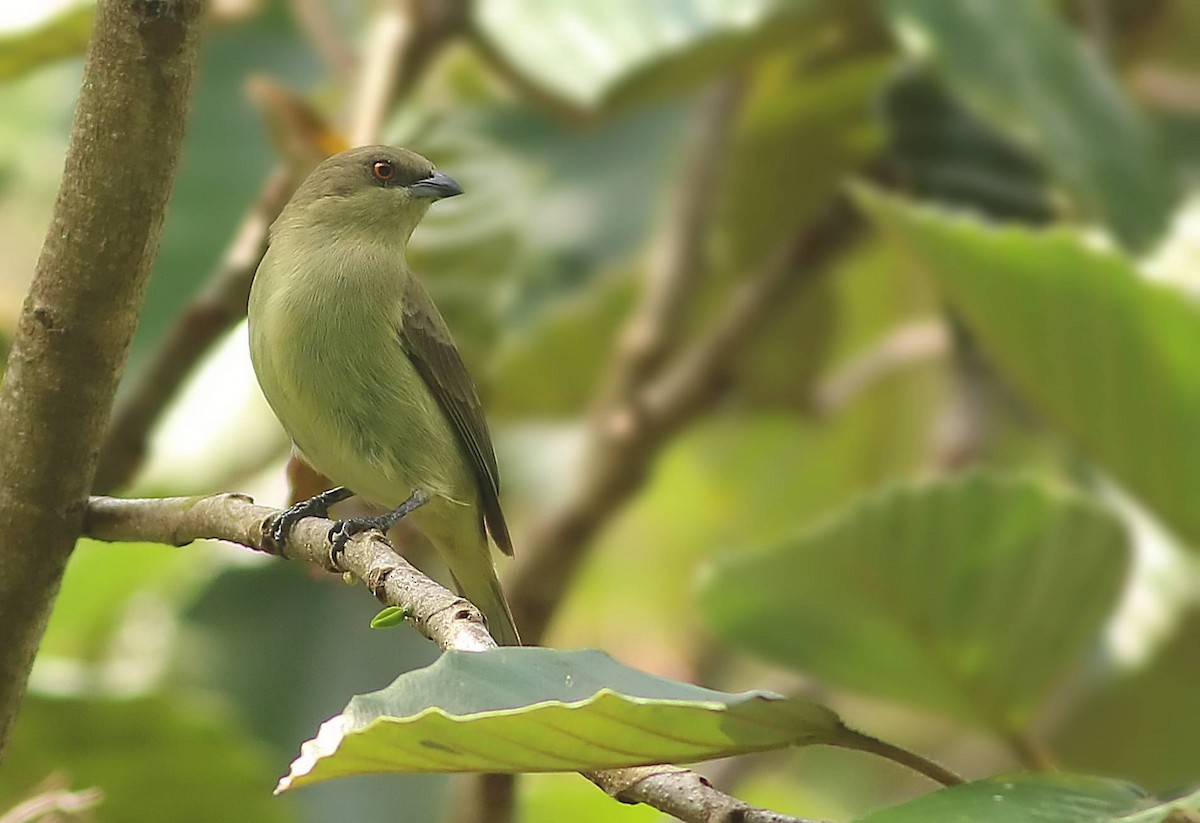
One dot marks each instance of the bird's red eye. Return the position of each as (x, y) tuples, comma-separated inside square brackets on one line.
[(383, 170)]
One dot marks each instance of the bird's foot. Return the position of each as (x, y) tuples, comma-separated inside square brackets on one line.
[(317, 506), (343, 530)]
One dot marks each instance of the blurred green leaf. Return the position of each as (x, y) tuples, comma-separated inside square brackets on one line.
[(215, 186), (55, 37), (1023, 69), (572, 339), (535, 709), (1105, 355), (595, 53), (769, 190), (552, 216), (946, 153), (1144, 724), (551, 798), (909, 594), (752, 478), (280, 687), (590, 197), (1056, 798), (799, 132), (100, 580), (532, 273), (155, 758)]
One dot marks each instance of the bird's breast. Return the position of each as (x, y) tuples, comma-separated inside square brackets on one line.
[(325, 345)]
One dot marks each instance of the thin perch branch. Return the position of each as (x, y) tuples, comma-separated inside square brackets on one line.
[(445, 618), (439, 614), (78, 320), (683, 794)]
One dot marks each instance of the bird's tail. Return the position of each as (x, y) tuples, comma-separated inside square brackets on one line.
[(470, 563)]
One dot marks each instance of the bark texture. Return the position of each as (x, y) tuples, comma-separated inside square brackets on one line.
[(78, 319)]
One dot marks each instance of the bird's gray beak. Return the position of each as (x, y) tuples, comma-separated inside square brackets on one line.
[(436, 186)]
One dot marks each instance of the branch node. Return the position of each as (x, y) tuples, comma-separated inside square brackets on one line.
[(377, 581)]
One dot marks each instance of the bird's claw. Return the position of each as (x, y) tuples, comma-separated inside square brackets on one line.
[(316, 506), (343, 530)]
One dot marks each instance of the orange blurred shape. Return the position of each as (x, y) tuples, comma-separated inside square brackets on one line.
[(300, 134)]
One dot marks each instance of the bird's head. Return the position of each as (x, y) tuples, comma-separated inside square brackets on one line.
[(382, 190)]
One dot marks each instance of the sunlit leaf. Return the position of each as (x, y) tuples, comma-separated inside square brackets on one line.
[(100, 583), (55, 36), (936, 594), (538, 710), (551, 797), (1025, 798), (1021, 66), (589, 52), (1107, 356)]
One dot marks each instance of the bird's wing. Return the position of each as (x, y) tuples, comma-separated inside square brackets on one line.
[(427, 341)]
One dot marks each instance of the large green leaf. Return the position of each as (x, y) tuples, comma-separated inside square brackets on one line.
[(1031, 798), (540, 710), (591, 53), (1022, 67), (1041, 799), (1107, 356), (937, 594)]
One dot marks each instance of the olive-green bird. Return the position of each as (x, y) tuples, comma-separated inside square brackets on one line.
[(360, 368)]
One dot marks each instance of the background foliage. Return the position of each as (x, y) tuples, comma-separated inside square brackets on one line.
[(948, 490)]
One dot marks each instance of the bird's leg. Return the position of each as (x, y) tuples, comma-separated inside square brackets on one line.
[(343, 530), (317, 506)]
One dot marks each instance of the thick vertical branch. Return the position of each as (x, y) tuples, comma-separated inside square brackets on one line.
[(78, 319)]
